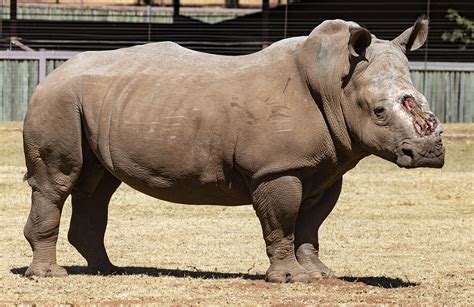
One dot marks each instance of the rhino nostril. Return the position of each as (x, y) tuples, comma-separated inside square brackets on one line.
[(408, 152), (408, 102)]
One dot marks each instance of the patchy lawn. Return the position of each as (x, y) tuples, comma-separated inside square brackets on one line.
[(396, 236)]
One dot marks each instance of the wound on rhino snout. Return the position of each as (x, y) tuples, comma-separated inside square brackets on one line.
[(424, 122)]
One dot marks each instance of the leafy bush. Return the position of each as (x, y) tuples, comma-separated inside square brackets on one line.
[(464, 34)]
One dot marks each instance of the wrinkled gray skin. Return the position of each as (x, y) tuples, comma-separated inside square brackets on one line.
[(277, 129)]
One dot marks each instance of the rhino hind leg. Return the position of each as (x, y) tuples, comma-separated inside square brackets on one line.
[(276, 203), (41, 231), (90, 200), (54, 160), (310, 218)]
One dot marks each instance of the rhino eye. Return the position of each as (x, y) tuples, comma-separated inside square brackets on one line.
[(379, 111)]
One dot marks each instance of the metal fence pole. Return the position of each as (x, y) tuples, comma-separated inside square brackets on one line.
[(265, 19), (175, 9), (13, 7), (42, 66)]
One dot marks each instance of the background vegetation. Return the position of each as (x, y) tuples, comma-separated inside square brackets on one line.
[(463, 33)]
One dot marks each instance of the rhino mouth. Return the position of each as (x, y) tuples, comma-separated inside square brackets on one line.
[(426, 155)]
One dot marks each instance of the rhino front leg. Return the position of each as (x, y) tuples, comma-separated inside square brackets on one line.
[(276, 203), (310, 218)]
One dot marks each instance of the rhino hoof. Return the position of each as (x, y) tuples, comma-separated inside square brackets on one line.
[(283, 277), (301, 277), (317, 274), (45, 270), (327, 274)]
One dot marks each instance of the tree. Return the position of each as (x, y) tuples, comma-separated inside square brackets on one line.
[(464, 34)]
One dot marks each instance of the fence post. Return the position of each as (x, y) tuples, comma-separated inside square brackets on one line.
[(176, 6), (42, 65), (13, 10), (265, 19)]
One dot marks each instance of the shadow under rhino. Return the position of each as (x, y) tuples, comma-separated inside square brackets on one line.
[(157, 272), (375, 281)]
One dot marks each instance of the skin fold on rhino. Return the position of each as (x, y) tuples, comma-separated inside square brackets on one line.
[(276, 129)]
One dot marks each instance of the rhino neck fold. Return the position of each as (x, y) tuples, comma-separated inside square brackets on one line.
[(330, 106), (323, 60)]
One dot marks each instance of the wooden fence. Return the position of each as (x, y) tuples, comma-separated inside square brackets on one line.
[(449, 87), (20, 73)]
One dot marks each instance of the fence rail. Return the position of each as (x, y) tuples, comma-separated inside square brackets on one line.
[(449, 87)]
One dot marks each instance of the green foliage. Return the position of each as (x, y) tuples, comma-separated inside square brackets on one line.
[(464, 34)]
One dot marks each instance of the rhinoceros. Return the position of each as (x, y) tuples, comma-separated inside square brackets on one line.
[(276, 129)]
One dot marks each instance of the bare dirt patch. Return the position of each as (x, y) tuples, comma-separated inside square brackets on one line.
[(396, 236)]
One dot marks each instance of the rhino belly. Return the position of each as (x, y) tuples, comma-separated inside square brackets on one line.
[(177, 165), (169, 150)]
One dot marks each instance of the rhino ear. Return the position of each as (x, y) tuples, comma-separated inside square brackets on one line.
[(414, 37), (359, 40)]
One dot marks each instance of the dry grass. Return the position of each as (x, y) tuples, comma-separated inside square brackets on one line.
[(400, 236)]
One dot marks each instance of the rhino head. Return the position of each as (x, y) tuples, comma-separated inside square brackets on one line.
[(363, 85)]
